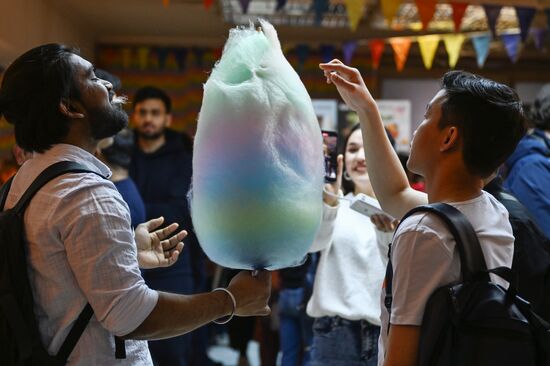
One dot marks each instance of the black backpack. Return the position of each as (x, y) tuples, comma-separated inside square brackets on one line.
[(474, 321), (20, 342)]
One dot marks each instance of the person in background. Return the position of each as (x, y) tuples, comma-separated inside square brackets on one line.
[(528, 168), (346, 290), (115, 152), (415, 180), (295, 326), (159, 152)]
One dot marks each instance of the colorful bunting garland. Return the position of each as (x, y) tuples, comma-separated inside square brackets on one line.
[(354, 8), (512, 44), (348, 49), (459, 9), (389, 9), (481, 46), (492, 12), (426, 10), (376, 47), (525, 18)]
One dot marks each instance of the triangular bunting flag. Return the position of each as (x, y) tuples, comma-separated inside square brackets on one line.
[(459, 9), (143, 57), (389, 9), (525, 18), (426, 10), (348, 49), (244, 5), (376, 47), (354, 9), (166, 3), (481, 45), (401, 47), (327, 53), (453, 45), (538, 37), (280, 4), (320, 7), (492, 12), (512, 45), (428, 47), (208, 4), (547, 11)]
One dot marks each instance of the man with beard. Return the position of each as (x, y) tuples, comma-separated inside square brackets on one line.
[(79, 244), (160, 152)]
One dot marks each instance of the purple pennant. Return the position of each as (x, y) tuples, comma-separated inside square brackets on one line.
[(327, 53), (512, 44), (538, 36), (525, 17), (244, 5), (280, 4), (348, 49), (492, 12), (181, 57), (320, 7)]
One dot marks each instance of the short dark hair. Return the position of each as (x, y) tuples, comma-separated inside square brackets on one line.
[(32, 88), (120, 151), (541, 109), (151, 92), (489, 117)]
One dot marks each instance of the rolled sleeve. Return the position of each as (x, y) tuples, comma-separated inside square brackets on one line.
[(102, 254), (324, 235)]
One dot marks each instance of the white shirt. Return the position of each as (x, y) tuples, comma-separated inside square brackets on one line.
[(80, 248), (351, 269), (424, 258)]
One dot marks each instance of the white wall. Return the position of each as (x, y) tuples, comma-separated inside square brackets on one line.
[(418, 91), (29, 23)]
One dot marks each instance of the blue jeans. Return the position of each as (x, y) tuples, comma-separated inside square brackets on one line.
[(295, 330), (341, 342)]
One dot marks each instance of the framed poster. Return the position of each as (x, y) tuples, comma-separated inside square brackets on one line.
[(396, 115), (326, 111)]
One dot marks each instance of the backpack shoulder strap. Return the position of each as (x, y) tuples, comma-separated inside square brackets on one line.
[(4, 192), (47, 175), (472, 261)]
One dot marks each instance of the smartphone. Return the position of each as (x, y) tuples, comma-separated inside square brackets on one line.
[(330, 151)]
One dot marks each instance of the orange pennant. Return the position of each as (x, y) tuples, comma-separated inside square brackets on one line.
[(401, 47), (208, 4), (426, 10)]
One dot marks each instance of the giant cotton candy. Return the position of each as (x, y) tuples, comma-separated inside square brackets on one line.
[(258, 164)]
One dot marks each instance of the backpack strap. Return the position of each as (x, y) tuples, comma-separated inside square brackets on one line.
[(472, 261), (51, 172), (47, 175), (4, 192)]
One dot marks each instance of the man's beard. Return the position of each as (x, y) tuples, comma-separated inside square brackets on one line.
[(107, 122), (150, 136)]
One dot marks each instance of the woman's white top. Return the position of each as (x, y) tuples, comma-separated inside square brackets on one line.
[(351, 266)]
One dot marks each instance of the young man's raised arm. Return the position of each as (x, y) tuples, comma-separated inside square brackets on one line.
[(388, 178)]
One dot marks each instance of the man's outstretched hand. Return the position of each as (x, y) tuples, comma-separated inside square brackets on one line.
[(156, 248)]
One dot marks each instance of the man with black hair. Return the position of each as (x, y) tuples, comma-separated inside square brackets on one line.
[(160, 152), (79, 244), (528, 168), (471, 126)]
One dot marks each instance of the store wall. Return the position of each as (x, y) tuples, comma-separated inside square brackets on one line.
[(29, 23)]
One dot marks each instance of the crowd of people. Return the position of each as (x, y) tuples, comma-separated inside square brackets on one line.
[(113, 237)]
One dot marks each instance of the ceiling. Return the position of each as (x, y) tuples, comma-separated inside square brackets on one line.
[(187, 22)]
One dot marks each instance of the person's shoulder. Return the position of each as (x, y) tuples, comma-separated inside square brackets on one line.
[(422, 223)]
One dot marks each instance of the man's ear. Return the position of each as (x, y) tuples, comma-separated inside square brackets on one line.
[(68, 109), (450, 139)]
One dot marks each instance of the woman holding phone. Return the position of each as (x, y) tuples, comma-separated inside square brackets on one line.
[(346, 294)]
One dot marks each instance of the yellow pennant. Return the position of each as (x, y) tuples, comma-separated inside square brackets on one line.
[(428, 47), (401, 47), (389, 9), (355, 10), (453, 45)]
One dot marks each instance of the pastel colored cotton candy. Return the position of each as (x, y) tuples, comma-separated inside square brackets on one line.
[(258, 165)]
